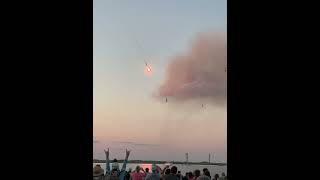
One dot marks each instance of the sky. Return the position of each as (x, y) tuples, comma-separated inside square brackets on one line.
[(184, 43)]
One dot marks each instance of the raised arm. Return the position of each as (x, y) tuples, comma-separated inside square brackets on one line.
[(164, 169), (125, 160), (107, 161), (158, 169), (143, 170)]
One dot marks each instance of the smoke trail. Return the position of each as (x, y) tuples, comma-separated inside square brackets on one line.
[(199, 74)]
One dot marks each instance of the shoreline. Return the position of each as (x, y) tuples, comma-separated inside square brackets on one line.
[(162, 162)]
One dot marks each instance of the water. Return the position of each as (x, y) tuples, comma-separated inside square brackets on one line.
[(181, 167)]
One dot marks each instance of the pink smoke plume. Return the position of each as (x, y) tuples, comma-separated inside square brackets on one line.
[(198, 74)]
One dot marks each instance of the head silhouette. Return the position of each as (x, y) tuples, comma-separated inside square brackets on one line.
[(197, 173), (204, 170), (207, 173), (173, 170), (137, 168)]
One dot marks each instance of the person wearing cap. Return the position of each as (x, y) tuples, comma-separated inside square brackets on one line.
[(98, 173), (154, 175), (115, 173)]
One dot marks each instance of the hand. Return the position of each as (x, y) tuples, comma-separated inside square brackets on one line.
[(158, 168), (106, 152), (127, 152)]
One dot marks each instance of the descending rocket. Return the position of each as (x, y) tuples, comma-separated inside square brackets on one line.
[(148, 67)]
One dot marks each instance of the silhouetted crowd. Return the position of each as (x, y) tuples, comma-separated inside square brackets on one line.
[(114, 173)]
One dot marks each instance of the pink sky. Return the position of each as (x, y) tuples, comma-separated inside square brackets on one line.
[(188, 67)]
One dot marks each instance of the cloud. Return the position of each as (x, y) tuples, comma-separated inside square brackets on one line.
[(199, 73)]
